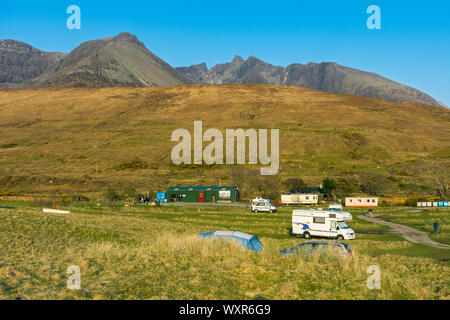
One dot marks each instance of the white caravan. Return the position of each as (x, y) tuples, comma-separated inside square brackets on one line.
[(299, 198), (262, 205), (322, 223)]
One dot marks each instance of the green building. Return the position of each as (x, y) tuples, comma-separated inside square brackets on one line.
[(203, 194)]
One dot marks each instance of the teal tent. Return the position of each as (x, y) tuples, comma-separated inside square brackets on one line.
[(248, 241)]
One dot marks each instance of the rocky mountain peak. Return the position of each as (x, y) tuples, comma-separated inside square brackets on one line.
[(126, 36)]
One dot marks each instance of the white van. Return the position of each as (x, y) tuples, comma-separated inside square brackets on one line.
[(262, 205), (322, 223)]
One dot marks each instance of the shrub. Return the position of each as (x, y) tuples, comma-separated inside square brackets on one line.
[(386, 203), (65, 198), (80, 197), (328, 187), (6, 193), (412, 201), (8, 145), (134, 164), (294, 184), (112, 195), (130, 193)]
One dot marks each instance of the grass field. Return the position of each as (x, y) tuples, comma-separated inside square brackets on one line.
[(423, 219), (153, 253)]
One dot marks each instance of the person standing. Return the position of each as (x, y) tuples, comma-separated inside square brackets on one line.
[(436, 227)]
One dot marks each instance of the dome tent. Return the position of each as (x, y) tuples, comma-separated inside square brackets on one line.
[(248, 241)]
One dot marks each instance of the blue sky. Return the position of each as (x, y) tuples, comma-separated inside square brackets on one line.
[(413, 46)]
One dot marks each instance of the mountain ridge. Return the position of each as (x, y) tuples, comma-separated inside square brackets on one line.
[(324, 76), (20, 62), (123, 60)]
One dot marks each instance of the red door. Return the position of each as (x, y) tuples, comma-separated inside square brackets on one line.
[(200, 197)]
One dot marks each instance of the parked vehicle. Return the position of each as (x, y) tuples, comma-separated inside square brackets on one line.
[(262, 205), (143, 199), (322, 223), (335, 207), (320, 247)]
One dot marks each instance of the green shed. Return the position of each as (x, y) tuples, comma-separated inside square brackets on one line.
[(203, 194)]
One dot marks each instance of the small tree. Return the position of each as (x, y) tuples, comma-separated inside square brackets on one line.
[(130, 193), (443, 190), (252, 184), (295, 184), (111, 195), (269, 186), (328, 188)]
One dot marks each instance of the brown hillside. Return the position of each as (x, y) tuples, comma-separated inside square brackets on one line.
[(83, 140)]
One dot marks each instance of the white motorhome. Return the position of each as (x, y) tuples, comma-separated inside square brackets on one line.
[(262, 205), (322, 223)]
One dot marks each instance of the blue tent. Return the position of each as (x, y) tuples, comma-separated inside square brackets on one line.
[(248, 241)]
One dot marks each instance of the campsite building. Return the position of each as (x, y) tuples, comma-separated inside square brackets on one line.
[(442, 204), (361, 202), (299, 198), (202, 194)]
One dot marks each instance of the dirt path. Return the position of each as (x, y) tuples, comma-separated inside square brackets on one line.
[(408, 233)]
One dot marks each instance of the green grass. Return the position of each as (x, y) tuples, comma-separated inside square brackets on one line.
[(423, 220), (153, 253)]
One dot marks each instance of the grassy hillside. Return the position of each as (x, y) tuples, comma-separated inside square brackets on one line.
[(55, 141)]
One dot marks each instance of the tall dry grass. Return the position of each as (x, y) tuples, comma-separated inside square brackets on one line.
[(127, 256)]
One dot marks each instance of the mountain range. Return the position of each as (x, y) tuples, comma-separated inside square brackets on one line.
[(123, 60), (110, 62), (325, 76)]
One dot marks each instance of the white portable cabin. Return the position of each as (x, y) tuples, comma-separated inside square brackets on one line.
[(322, 223), (299, 198), (361, 202)]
